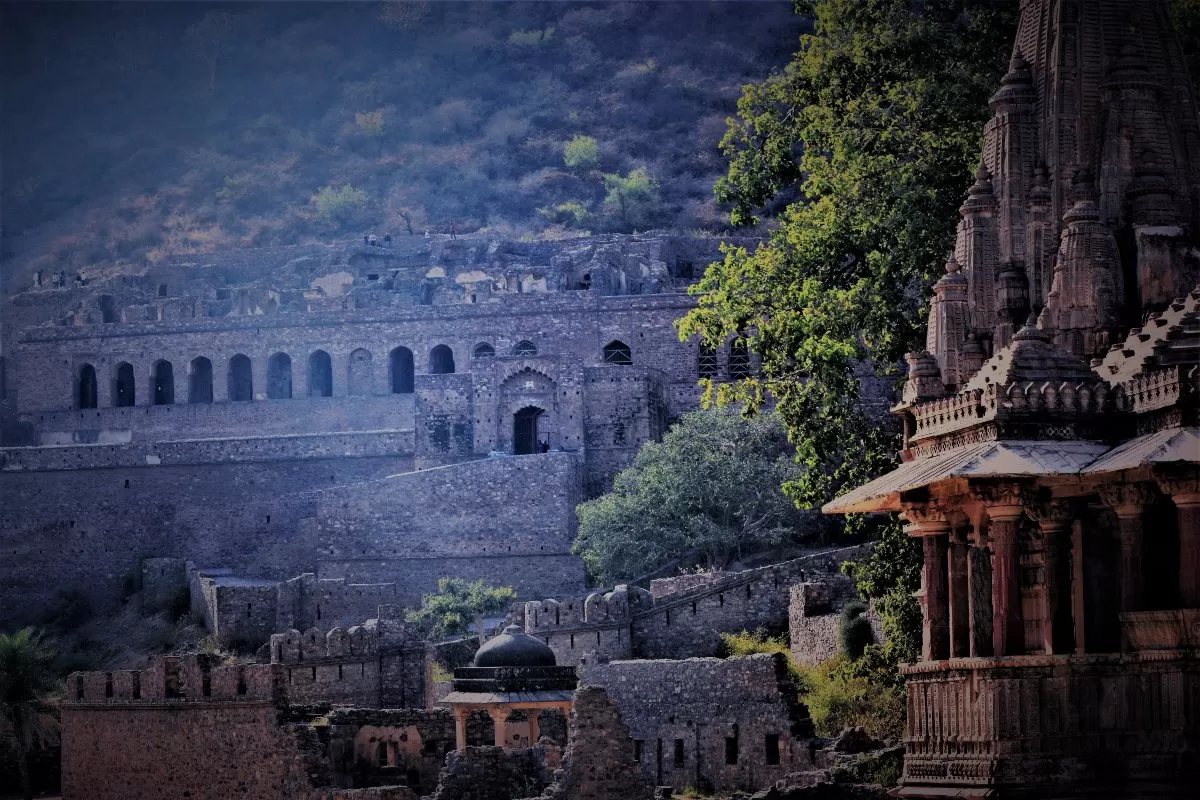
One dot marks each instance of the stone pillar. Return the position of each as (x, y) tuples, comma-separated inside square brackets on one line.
[(533, 725), (1008, 630), (220, 378), (979, 599), (929, 522), (499, 717), (1184, 490), (960, 604), (1129, 501), (460, 728), (1054, 519)]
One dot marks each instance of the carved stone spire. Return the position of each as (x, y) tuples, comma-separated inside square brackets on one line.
[(978, 249), (949, 322)]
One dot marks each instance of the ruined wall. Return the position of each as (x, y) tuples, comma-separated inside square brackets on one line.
[(732, 724), (491, 773), (86, 528), (687, 620), (814, 614), (382, 747), (600, 760), (507, 520)]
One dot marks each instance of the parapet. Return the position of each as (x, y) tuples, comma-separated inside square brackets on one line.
[(385, 633), (598, 609), (190, 678)]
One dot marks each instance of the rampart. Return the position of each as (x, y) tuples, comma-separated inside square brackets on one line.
[(679, 617), (714, 724), (814, 618)]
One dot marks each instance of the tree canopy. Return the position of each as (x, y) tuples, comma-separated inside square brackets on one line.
[(859, 153), (710, 492), (458, 604), (27, 676)]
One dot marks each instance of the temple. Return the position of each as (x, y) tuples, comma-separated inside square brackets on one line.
[(1051, 461)]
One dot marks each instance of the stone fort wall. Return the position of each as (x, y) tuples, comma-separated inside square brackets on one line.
[(714, 724)]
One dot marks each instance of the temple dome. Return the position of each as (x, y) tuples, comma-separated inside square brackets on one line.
[(515, 648)]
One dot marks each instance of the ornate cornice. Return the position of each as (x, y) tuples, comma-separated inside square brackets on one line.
[(1127, 499)]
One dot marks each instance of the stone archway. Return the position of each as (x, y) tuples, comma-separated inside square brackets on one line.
[(526, 439)]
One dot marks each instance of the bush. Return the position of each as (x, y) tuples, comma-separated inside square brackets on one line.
[(748, 644), (571, 214), (838, 698), (339, 205), (581, 153), (854, 630)]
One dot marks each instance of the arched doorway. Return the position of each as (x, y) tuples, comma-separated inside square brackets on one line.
[(279, 377), (320, 375), (123, 385), (400, 370), (441, 360), (164, 383), (525, 431), (200, 382), (87, 386), (241, 379)]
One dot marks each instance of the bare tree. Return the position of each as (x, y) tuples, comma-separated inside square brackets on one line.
[(209, 39)]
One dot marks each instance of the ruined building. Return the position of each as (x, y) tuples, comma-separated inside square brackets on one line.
[(331, 409), (1052, 454)]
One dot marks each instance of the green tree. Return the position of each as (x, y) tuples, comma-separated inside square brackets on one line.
[(868, 140), (26, 678), (339, 205), (458, 604), (632, 201), (581, 154), (707, 494)]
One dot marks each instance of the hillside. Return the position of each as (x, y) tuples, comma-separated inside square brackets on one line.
[(135, 130)]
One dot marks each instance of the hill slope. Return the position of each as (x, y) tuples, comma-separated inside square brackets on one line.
[(134, 130)]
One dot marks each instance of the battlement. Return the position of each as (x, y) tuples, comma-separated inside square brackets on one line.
[(189, 678), (598, 609)]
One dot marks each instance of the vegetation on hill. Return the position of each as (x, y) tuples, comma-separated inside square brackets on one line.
[(458, 604), (132, 130), (861, 151), (707, 494)]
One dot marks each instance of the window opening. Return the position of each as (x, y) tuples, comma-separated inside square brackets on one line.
[(772, 744), (739, 361), (164, 383), (707, 362), (441, 360), (679, 752), (123, 385), (526, 440), (484, 350), (638, 744), (731, 747), (525, 348), (617, 352)]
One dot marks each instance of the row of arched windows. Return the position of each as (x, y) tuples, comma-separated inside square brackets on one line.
[(240, 377)]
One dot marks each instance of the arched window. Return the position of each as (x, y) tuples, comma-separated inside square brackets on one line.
[(241, 379), (441, 360), (525, 348), (484, 350), (164, 383), (400, 370), (87, 386), (123, 385), (200, 381), (739, 361), (707, 362), (320, 375), (617, 352), (279, 377), (358, 373)]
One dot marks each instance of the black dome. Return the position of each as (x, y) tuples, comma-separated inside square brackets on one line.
[(515, 648)]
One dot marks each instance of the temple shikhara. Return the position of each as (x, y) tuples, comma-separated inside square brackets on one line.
[(1051, 461)]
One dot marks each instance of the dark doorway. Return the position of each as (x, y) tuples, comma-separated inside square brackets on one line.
[(320, 375), (123, 385), (87, 386), (400, 370), (164, 383), (241, 379), (200, 381), (279, 377), (441, 360), (525, 431)]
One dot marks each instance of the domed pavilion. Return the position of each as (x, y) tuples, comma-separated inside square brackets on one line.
[(512, 672)]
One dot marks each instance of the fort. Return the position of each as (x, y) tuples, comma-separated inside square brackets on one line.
[(370, 414)]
